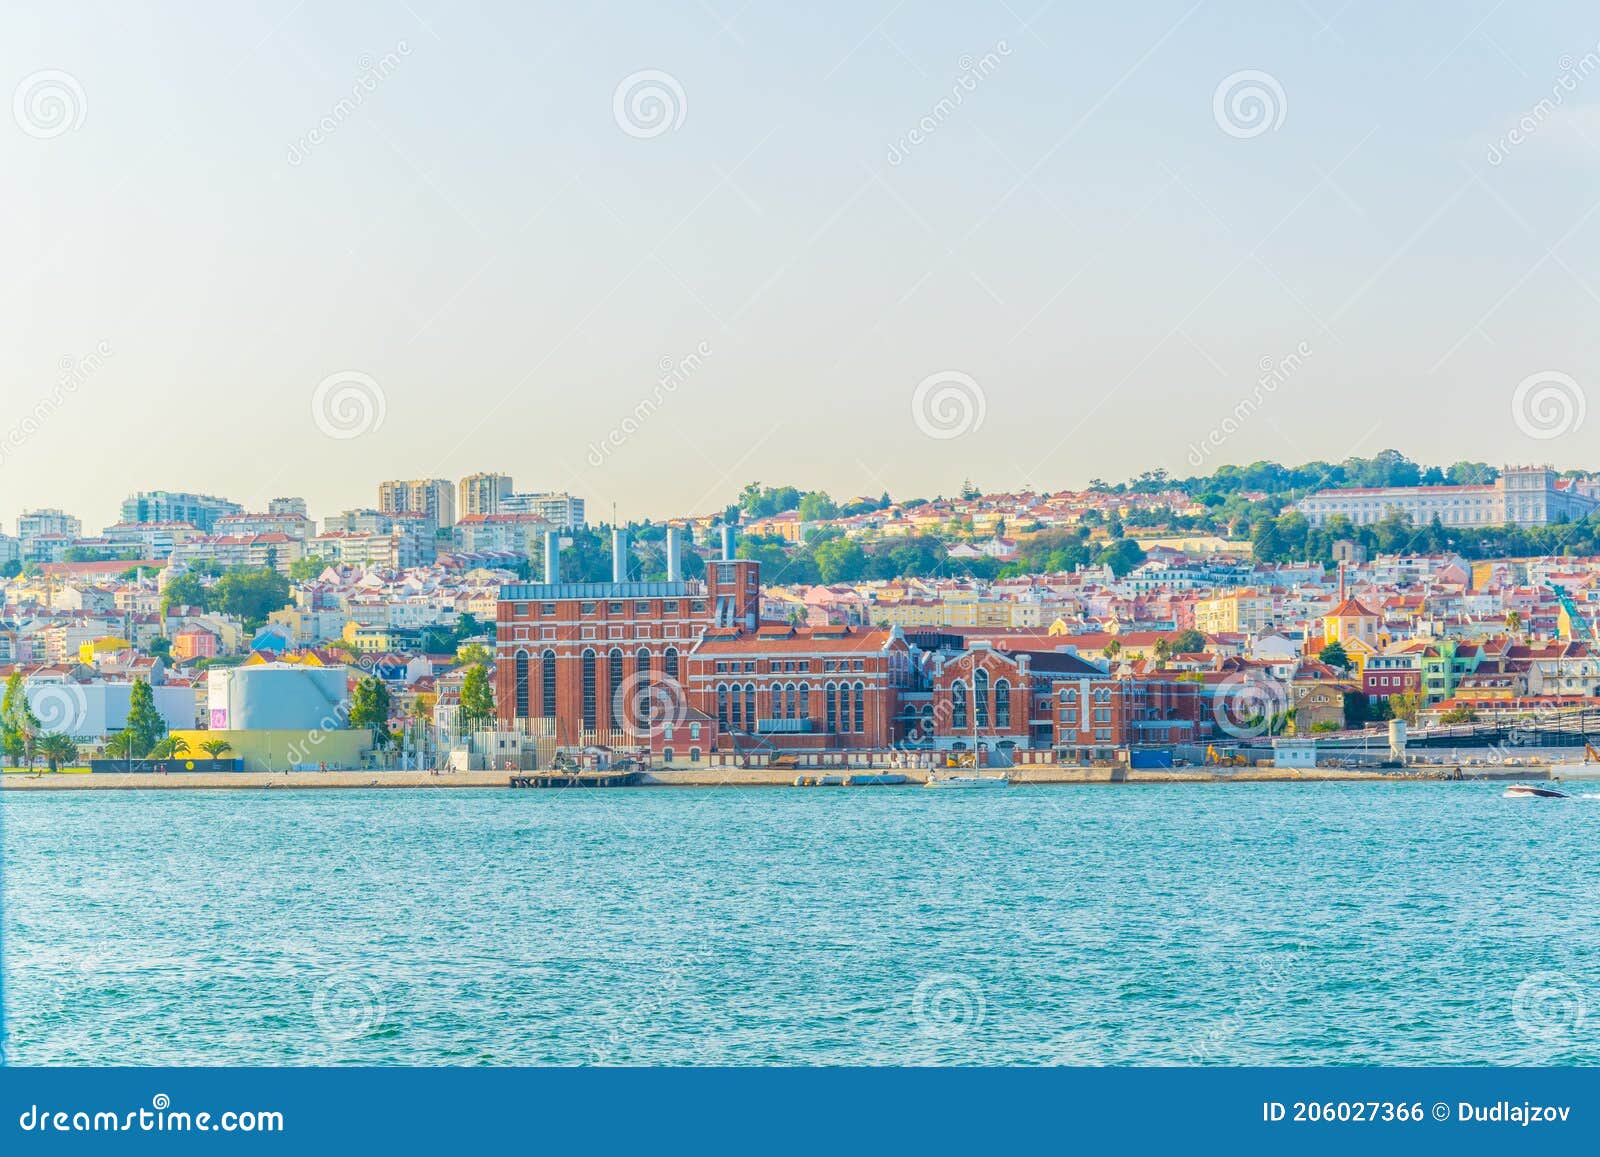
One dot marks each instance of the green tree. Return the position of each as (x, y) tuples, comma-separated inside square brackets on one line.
[(1405, 706), (817, 507), (169, 747), (473, 654), (305, 569), (840, 560), (369, 708), (145, 728), (1121, 556), (184, 591), (216, 748), (1188, 642), (1459, 715), (477, 698), (251, 594), (18, 723), (57, 750), (1334, 655)]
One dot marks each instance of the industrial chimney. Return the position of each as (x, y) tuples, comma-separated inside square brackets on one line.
[(619, 555), (727, 542), (552, 556), (674, 554)]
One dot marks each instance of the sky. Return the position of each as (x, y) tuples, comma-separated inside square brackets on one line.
[(651, 252)]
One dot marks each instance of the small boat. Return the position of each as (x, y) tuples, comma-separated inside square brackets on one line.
[(957, 782), (1534, 791)]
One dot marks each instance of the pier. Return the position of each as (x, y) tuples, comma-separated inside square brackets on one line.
[(576, 779)]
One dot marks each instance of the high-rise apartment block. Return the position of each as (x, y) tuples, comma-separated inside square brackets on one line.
[(434, 498), (200, 510), (482, 493)]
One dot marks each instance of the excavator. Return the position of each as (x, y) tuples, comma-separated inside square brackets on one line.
[(1224, 759)]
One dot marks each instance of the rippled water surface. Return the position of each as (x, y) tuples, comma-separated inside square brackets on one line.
[(1315, 923)]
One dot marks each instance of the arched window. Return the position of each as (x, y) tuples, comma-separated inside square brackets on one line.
[(547, 684), (588, 689), (958, 706), (861, 707), (830, 699), (669, 663), (980, 696), (805, 701), (722, 706), (641, 671), (736, 716), (522, 684), (666, 754), (750, 706), (791, 702), (776, 706), (1069, 696), (613, 685), (1002, 705)]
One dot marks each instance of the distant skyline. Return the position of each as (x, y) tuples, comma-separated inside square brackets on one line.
[(648, 254), (8, 519)]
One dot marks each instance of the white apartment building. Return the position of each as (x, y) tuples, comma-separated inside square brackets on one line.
[(1522, 495), (230, 550), (561, 511)]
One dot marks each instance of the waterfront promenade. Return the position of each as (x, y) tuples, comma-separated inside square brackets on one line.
[(1039, 775)]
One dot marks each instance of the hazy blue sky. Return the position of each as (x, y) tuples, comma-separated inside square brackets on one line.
[(1093, 235)]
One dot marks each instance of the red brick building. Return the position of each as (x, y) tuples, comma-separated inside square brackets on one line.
[(781, 687), (688, 669), (580, 662)]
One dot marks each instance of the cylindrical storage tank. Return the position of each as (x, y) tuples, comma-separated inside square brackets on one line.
[(287, 697)]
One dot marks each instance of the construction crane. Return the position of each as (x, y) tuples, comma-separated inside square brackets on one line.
[(1577, 624)]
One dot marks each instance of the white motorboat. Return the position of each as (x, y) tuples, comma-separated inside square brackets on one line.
[(958, 782), (1534, 791)]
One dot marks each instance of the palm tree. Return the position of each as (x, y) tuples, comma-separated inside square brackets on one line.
[(215, 747), (57, 749), (172, 747)]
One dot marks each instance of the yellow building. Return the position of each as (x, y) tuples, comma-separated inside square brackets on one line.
[(1243, 612), (285, 750), (1354, 628)]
